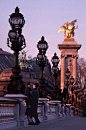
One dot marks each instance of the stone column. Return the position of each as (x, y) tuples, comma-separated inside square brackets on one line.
[(62, 71), (75, 67)]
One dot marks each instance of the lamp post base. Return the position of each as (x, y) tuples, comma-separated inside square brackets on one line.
[(42, 87), (56, 94), (16, 85)]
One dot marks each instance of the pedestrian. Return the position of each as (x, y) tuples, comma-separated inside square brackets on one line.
[(34, 104), (28, 93)]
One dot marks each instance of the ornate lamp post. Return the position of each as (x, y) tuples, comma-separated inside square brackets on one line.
[(76, 92), (55, 72), (72, 89), (66, 93), (67, 76), (16, 42), (42, 62)]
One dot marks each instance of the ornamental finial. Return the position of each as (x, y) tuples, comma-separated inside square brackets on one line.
[(17, 9), (42, 38)]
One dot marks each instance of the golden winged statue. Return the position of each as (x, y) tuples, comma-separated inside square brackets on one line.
[(68, 29)]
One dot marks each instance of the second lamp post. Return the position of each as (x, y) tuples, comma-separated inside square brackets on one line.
[(55, 73), (42, 61)]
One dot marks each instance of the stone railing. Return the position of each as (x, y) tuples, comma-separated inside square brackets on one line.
[(13, 107), (57, 108), (8, 113), (12, 111), (54, 107), (7, 109), (42, 107)]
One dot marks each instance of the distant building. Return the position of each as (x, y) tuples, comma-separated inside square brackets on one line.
[(6, 64), (6, 60)]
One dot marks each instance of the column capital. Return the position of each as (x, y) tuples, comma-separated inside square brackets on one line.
[(62, 56), (75, 56)]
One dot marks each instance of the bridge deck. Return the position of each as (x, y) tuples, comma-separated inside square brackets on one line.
[(71, 123)]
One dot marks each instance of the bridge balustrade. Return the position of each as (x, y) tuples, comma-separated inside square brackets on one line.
[(13, 107)]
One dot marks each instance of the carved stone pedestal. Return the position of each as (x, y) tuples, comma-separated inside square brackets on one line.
[(69, 54)]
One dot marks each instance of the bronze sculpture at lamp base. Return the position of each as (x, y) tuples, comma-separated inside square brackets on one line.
[(16, 85)]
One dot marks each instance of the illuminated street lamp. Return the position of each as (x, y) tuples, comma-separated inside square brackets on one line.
[(55, 72), (42, 61), (16, 42), (42, 46)]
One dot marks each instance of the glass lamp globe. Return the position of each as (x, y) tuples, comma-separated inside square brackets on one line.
[(42, 45), (55, 60), (13, 36), (16, 19)]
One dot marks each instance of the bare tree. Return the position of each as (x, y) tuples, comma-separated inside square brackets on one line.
[(81, 68)]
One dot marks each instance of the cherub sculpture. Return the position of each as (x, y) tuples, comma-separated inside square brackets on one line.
[(68, 29)]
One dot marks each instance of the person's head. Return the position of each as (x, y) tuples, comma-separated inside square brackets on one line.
[(29, 84), (35, 85)]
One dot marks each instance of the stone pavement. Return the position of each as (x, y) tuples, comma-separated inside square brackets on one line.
[(71, 123)]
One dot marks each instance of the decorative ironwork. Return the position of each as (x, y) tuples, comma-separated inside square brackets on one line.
[(42, 61), (16, 42), (66, 88), (55, 72)]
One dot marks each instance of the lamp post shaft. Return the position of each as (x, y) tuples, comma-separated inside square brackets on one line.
[(42, 83), (55, 81), (41, 72), (16, 58)]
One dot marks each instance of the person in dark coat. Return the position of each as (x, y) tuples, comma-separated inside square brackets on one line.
[(28, 93), (34, 104)]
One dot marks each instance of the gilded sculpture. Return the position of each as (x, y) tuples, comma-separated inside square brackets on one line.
[(26, 63), (68, 29)]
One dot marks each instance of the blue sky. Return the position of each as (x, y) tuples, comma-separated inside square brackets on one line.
[(44, 18)]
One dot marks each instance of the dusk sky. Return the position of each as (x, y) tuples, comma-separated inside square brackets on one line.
[(44, 18)]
